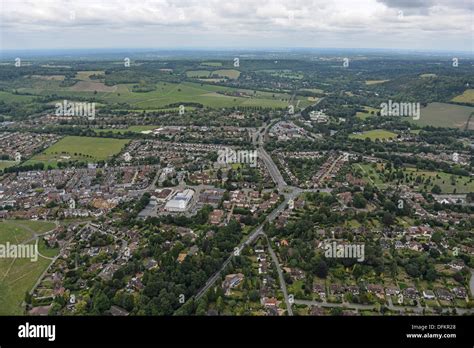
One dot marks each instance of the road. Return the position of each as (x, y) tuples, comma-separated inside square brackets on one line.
[(272, 168), (248, 241), (471, 283), (289, 192), (282, 279), (358, 306)]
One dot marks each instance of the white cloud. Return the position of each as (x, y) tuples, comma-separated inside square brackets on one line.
[(158, 23)]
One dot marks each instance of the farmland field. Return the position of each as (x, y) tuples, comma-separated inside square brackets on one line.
[(375, 82), (314, 90), (91, 86), (198, 73), (80, 148), (49, 77), (211, 63), (466, 97), (445, 115), (229, 73), (166, 94), (17, 276), (85, 75), (17, 98), (288, 74), (374, 134)]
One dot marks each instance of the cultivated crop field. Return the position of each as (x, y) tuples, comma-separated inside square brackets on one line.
[(466, 97), (445, 115), (166, 94), (18, 276), (9, 98)]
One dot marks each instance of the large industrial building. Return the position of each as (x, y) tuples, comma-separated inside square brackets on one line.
[(180, 202)]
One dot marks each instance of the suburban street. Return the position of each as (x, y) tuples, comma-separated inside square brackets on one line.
[(272, 168), (281, 278), (357, 306), (248, 241), (289, 192)]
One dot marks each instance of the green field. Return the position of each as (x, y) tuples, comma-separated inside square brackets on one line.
[(428, 76), (6, 164), (166, 94), (211, 63), (17, 276), (85, 75), (370, 175), (16, 98), (87, 149), (447, 182), (135, 129), (445, 115), (285, 73), (366, 113), (314, 90), (462, 184), (227, 73), (374, 134), (198, 73), (466, 97), (375, 82)]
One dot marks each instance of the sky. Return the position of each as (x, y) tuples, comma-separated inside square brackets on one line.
[(441, 25)]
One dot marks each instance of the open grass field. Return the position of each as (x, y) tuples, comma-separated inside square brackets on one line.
[(427, 76), (49, 77), (135, 129), (445, 115), (229, 73), (16, 98), (366, 113), (447, 182), (85, 75), (380, 134), (466, 97), (6, 164), (92, 86), (80, 148), (287, 74), (224, 73), (375, 82), (18, 276), (166, 94), (198, 73), (211, 63), (314, 90)]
